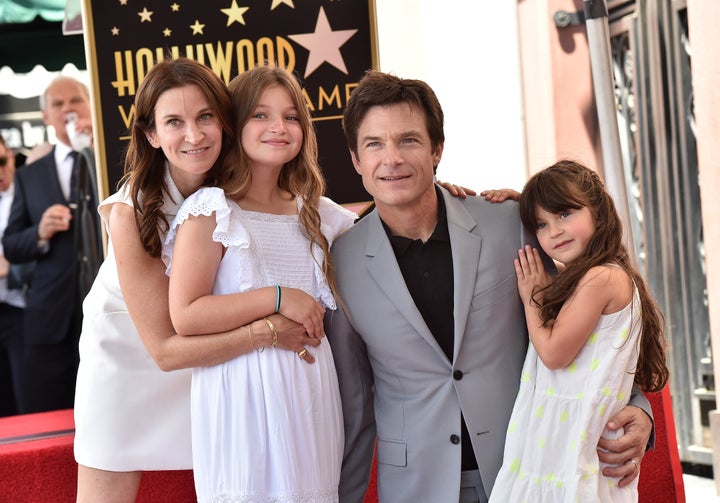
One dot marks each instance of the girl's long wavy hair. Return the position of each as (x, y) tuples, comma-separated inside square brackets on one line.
[(144, 164), (569, 185), (300, 176)]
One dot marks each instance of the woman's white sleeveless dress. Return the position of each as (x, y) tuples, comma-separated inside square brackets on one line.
[(129, 414)]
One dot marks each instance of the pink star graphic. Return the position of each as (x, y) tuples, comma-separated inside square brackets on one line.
[(324, 45)]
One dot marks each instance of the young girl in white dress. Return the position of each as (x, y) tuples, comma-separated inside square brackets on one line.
[(594, 329), (266, 426)]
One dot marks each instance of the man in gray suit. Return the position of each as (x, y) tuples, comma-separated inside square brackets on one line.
[(432, 338)]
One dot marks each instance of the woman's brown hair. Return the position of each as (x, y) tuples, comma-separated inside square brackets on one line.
[(145, 165)]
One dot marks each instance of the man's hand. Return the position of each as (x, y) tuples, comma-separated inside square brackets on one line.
[(55, 219), (627, 451), (84, 125)]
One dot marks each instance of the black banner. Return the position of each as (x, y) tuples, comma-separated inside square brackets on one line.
[(328, 44)]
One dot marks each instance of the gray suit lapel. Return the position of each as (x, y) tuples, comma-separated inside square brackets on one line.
[(383, 268), (466, 258)]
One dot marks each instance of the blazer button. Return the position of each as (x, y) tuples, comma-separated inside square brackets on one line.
[(457, 375), (454, 439)]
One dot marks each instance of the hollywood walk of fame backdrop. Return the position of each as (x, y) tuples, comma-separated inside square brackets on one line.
[(328, 44)]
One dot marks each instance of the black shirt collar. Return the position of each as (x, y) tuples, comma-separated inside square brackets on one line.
[(400, 244)]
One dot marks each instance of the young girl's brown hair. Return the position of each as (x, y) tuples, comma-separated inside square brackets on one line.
[(569, 185), (301, 176)]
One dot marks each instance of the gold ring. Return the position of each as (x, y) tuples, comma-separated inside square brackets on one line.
[(637, 467), (302, 353)]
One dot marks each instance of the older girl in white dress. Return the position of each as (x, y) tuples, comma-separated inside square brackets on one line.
[(131, 415), (267, 427)]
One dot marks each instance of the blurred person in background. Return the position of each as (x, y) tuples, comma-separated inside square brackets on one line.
[(12, 302), (42, 228)]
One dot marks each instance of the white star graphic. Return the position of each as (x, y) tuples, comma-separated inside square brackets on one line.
[(324, 45), (235, 13), (123, 2), (145, 15), (167, 32), (197, 28), (275, 3), (115, 31), (175, 7)]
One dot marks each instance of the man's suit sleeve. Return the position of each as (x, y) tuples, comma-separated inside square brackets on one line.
[(20, 241), (356, 391), (637, 399)]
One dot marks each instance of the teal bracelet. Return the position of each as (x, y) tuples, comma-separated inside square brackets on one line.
[(278, 295)]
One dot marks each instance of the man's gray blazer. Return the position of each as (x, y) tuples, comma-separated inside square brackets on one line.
[(418, 394)]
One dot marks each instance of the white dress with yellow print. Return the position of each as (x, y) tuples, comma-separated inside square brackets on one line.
[(559, 416)]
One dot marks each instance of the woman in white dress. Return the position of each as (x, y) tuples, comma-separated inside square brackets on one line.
[(130, 415), (266, 426)]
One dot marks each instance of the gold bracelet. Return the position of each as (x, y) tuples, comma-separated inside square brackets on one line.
[(273, 331), (261, 348)]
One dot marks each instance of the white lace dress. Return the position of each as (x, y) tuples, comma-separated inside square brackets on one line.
[(559, 416), (266, 426)]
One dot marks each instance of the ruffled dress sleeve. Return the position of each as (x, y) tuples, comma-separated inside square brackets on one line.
[(334, 220), (206, 201)]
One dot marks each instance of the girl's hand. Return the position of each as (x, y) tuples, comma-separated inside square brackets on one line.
[(456, 190), (303, 309), (530, 272), (500, 195)]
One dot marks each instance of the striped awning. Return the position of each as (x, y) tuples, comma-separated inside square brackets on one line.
[(31, 34)]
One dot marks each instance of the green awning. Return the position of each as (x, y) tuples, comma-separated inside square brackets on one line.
[(31, 34)]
